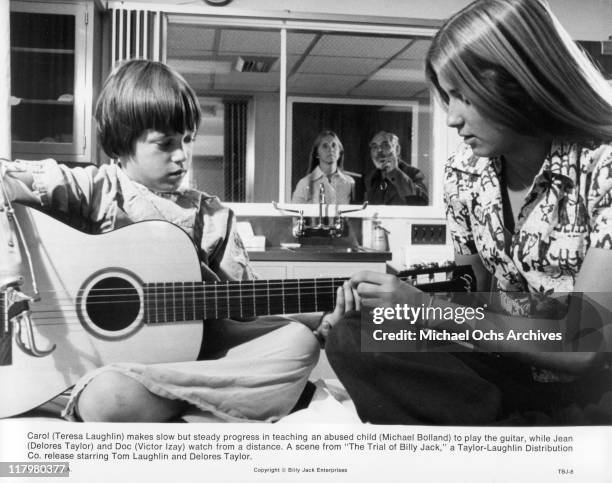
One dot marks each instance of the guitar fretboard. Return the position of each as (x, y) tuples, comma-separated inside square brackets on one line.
[(179, 301)]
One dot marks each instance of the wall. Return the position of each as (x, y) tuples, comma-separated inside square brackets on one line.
[(266, 147), (584, 19), (425, 156), (208, 151)]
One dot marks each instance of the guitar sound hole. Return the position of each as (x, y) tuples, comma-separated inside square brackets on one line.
[(113, 304)]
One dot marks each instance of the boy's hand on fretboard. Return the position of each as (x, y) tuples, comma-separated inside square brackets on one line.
[(382, 290)]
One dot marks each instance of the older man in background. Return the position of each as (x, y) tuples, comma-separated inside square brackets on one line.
[(393, 182)]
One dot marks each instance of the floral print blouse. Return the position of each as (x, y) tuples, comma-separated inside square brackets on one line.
[(567, 210)]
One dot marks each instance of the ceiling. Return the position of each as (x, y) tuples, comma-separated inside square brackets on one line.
[(318, 63)]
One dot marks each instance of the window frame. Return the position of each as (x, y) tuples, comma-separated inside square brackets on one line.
[(443, 139)]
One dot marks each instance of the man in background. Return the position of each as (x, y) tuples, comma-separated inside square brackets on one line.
[(393, 182)]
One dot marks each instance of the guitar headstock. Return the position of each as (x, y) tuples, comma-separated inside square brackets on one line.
[(446, 277)]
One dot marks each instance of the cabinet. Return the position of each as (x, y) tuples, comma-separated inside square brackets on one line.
[(52, 70)]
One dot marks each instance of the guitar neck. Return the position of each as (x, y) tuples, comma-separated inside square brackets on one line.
[(168, 302), (179, 301)]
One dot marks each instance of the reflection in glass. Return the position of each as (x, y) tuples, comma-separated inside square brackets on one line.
[(357, 123), (326, 181), (350, 83), (235, 72), (392, 181), (358, 85)]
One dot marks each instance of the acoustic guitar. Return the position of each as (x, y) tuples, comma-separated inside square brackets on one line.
[(135, 294)]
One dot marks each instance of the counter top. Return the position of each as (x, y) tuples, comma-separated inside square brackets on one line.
[(319, 254)]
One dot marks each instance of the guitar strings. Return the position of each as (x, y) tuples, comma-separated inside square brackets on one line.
[(179, 292), (190, 308), (257, 298), (234, 286), (188, 296), (187, 302), (231, 287)]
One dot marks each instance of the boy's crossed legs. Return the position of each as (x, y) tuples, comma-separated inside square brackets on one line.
[(259, 377)]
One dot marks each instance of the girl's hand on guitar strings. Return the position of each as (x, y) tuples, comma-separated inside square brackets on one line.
[(347, 300), (377, 289)]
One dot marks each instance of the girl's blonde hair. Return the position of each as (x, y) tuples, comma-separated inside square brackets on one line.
[(519, 67)]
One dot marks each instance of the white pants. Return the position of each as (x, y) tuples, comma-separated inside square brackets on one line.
[(258, 371)]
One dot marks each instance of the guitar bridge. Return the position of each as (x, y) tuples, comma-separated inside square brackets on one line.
[(17, 310)]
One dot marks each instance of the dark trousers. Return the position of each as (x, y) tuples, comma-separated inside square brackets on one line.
[(459, 388)]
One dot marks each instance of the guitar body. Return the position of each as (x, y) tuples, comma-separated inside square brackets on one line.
[(132, 295), (71, 268)]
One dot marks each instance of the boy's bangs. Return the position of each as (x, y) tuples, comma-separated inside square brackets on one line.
[(141, 95), (169, 109)]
